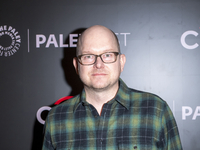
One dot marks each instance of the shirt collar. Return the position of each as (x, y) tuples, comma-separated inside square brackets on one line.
[(82, 100), (122, 96)]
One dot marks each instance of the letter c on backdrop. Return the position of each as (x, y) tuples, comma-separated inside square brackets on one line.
[(39, 112), (184, 35)]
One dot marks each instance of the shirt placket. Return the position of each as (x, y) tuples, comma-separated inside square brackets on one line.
[(103, 127)]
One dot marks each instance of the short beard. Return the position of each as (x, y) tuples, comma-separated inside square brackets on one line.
[(101, 89)]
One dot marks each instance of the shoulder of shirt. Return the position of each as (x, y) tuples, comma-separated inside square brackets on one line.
[(67, 105), (146, 96), (136, 97), (145, 99)]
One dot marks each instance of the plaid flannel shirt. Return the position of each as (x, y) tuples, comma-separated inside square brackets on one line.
[(132, 120)]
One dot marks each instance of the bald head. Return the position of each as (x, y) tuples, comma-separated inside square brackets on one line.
[(97, 35), (99, 44)]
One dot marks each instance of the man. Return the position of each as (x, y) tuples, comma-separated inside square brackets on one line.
[(107, 114)]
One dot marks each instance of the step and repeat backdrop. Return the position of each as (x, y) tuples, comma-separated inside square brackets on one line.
[(160, 39)]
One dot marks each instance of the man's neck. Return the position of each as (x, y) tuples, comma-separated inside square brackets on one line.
[(98, 98)]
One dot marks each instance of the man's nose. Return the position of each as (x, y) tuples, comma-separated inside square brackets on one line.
[(99, 63)]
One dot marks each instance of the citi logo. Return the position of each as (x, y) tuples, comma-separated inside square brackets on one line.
[(184, 39)]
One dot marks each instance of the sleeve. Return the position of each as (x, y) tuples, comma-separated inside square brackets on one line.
[(169, 131), (47, 142)]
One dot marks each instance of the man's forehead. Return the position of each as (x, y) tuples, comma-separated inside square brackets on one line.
[(97, 37), (97, 32)]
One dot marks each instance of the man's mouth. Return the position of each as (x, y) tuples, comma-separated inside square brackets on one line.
[(99, 74)]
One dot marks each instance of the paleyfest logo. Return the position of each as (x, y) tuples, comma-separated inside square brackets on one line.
[(73, 38), (10, 41)]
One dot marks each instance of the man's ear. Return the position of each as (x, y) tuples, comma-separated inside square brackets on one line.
[(122, 61), (75, 63)]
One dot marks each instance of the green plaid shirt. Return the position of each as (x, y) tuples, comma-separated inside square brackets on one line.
[(132, 120)]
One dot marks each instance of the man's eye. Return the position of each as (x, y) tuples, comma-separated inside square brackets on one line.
[(107, 55), (87, 57)]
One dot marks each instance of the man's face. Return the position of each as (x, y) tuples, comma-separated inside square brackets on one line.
[(99, 76)]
